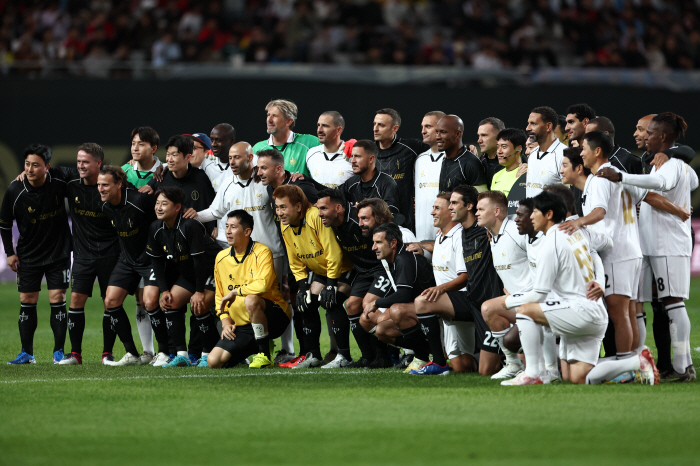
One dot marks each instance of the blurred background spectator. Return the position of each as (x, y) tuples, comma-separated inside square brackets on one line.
[(104, 38)]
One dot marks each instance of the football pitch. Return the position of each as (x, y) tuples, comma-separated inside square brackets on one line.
[(98, 415)]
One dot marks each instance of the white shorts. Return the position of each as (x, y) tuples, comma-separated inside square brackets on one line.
[(671, 276), (646, 278), (622, 277), (581, 326), (459, 338)]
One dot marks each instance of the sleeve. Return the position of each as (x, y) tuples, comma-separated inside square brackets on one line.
[(65, 173), (219, 290), (681, 152), (406, 271), (693, 178), (547, 270), (295, 264), (7, 216), (333, 251), (153, 248), (402, 295), (408, 236), (460, 252), (598, 269), (265, 277), (637, 194), (665, 179), (476, 175), (598, 241), (153, 184), (217, 209), (600, 193), (197, 232), (531, 296)]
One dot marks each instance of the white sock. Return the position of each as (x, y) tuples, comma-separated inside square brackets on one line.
[(259, 331), (183, 354), (641, 323), (549, 350), (608, 370), (679, 324), (204, 354), (408, 351), (511, 357), (287, 338), (143, 323), (531, 339)]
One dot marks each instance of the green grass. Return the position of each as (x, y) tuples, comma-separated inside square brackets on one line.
[(92, 414)]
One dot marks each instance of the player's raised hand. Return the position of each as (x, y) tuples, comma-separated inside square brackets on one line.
[(190, 213), (13, 262), (609, 174), (571, 226), (415, 248), (296, 176), (659, 159), (20, 177), (160, 172), (472, 149), (522, 169), (146, 189)]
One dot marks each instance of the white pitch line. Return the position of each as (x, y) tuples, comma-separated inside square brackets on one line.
[(185, 376)]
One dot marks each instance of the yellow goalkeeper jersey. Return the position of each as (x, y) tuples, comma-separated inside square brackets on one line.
[(251, 273), (314, 246)]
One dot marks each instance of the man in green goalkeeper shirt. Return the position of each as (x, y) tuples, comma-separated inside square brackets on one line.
[(281, 116), (144, 144)]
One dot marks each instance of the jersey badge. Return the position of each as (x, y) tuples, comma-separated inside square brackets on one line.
[(130, 222), (31, 210), (195, 195), (312, 243), (77, 201), (238, 202)]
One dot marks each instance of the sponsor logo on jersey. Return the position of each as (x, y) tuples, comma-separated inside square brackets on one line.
[(428, 185), (502, 267), (310, 256), (473, 257), (399, 176)]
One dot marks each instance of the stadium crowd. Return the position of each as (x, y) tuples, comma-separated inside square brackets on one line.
[(436, 259), (102, 38)]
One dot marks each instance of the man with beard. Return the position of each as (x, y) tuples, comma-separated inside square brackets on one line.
[(459, 166), (427, 176), (544, 162), (577, 117), (328, 162)]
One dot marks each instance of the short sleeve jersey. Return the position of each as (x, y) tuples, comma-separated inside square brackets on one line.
[(509, 251), (483, 283), (412, 271), (465, 169), (132, 219), (356, 246), (447, 256), (217, 172), (543, 168), (331, 170), (427, 182), (381, 186), (504, 180)]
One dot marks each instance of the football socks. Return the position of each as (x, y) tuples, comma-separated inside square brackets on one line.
[(175, 323), (143, 325), (363, 339), (76, 328), (158, 326), (662, 336), (531, 337), (679, 325), (27, 326), (430, 324), (59, 324), (608, 370), (122, 326)]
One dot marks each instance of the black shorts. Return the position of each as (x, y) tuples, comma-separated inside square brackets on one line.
[(183, 282), (244, 344), (127, 276), (84, 272), (467, 310), (57, 276), (364, 283), (348, 278)]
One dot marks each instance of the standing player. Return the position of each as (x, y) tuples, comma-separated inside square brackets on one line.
[(459, 166), (621, 158), (182, 256), (369, 181), (312, 246), (427, 176), (95, 249), (222, 137), (201, 149), (544, 162), (509, 252), (396, 157), (509, 147), (486, 132), (43, 249), (577, 117), (328, 162), (666, 239), (248, 300), (131, 214), (281, 117)]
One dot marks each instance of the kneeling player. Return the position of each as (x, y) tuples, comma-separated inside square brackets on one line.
[(248, 299), (189, 252), (579, 321), (407, 276)]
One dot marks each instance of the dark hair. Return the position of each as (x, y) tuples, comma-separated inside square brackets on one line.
[(566, 194), (93, 149), (38, 149), (581, 111), (528, 203), (146, 134), (338, 119), (391, 232), (603, 124), (174, 194), (675, 124), (370, 147), (598, 139), (275, 156), (395, 117), (380, 209), (182, 143), (561, 121), (294, 194), (497, 197), (574, 156), (493, 121), (546, 201), (548, 115), (515, 135), (446, 196), (469, 195), (333, 194), (244, 218), (116, 172)]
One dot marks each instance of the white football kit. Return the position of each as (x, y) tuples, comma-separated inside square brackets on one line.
[(543, 168), (509, 251), (427, 181), (331, 170), (448, 263)]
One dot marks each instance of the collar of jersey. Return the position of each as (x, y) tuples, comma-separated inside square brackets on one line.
[(501, 231), (177, 223), (248, 250), (29, 186), (270, 142), (439, 156), (249, 180), (449, 234), (301, 225), (551, 149)]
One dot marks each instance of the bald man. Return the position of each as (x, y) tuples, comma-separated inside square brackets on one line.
[(459, 166), (222, 138)]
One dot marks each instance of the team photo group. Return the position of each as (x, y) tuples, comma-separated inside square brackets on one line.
[(524, 258)]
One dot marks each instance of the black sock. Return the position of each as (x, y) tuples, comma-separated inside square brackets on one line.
[(121, 324), (206, 325), (413, 338), (430, 324), (312, 328), (298, 318), (159, 329), (264, 346), (331, 334), (27, 326), (363, 339), (662, 336), (76, 328), (109, 335), (59, 325), (177, 331), (340, 327), (195, 344), (382, 350), (609, 340)]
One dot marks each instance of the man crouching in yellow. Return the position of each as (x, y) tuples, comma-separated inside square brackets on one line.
[(248, 299)]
